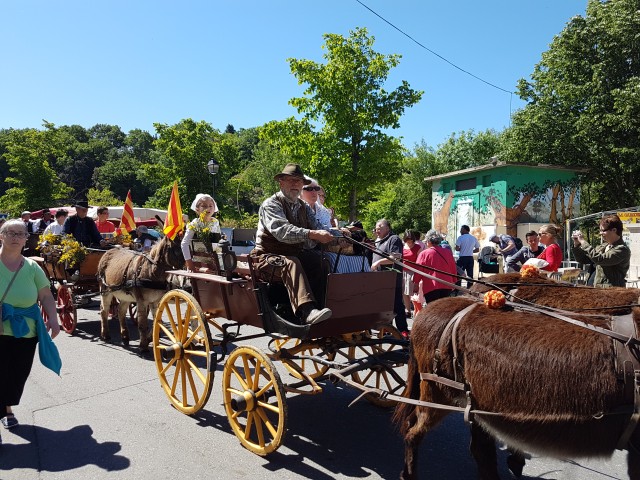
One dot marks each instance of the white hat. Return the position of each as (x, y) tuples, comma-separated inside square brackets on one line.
[(26, 212), (199, 197)]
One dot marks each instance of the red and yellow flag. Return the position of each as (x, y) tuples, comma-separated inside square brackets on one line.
[(127, 223), (174, 223)]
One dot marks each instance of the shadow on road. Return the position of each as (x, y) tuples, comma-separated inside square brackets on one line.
[(58, 451)]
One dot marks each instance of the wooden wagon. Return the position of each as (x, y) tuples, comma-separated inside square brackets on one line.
[(192, 332)]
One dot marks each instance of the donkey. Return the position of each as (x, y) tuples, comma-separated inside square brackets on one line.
[(131, 277), (547, 292), (536, 383)]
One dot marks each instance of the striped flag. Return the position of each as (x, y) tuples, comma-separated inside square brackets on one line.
[(174, 223), (127, 223)]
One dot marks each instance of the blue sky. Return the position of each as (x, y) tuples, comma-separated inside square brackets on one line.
[(135, 62)]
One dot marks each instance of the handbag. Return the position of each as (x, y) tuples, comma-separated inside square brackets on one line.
[(15, 274)]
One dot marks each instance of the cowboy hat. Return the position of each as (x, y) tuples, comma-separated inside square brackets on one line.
[(82, 204), (292, 170)]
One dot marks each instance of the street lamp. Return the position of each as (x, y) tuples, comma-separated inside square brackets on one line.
[(213, 168)]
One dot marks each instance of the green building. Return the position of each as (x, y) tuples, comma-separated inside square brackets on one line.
[(500, 197)]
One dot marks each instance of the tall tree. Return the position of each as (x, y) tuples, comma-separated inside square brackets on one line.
[(584, 104), (182, 153), (34, 184), (346, 96)]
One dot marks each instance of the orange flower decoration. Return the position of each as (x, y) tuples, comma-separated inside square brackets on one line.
[(530, 271), (494, 299)]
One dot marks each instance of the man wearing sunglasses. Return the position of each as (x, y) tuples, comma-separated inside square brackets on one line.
[(288, 228), (310, 194)]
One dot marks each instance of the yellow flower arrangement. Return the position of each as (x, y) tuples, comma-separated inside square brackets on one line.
[(72, 252), (204, 230), (122, 239)]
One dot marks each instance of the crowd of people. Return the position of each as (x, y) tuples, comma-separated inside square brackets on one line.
[(293, 223)]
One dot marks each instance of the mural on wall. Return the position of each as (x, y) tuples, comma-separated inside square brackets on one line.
[(441, 211), (550, 201)]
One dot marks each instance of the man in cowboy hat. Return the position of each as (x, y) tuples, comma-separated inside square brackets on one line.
[(288, 227), (83, 228)]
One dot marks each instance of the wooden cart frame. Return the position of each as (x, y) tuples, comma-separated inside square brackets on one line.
[(192, 332)]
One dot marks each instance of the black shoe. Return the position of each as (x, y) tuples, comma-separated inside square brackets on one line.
[(9, 421)]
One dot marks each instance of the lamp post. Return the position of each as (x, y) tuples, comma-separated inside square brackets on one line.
[(213, 168)]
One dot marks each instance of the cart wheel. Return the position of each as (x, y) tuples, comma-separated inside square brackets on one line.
[(254, 400), (313, 369), (67, 313), (133, 312), (182, 351), (385, 377)]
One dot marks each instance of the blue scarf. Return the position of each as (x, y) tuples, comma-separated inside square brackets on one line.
[(47, 350)]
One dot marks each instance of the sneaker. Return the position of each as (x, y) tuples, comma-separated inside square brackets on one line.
[(405, 334), (317, 316), (9, 421)]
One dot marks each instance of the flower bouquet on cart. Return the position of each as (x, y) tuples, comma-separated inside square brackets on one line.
[(64, 249), (204, 234)]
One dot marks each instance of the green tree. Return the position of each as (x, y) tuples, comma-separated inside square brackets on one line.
[(122, 171), (181, 153), (103, 198), (85, 150), (584, 104), (346, 97), (34, 184), (467, 149)]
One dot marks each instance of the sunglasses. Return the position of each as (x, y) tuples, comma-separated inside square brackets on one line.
[(311, 189)]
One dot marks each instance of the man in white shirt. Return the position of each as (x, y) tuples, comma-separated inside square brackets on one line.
[(55, 228), (467, 245)]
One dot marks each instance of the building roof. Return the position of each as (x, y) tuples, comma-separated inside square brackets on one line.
[(498, 164)]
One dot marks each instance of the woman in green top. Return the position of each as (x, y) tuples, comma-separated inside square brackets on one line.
[(20, 312), (611, 258)]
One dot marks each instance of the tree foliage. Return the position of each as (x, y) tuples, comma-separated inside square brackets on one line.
[(33, 182), (584, 104), (346, 99)]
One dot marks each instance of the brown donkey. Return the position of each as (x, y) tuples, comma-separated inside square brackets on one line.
[(535, 382), (135, 277)]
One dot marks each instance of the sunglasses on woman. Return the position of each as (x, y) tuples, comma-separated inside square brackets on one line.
[(311, 189)]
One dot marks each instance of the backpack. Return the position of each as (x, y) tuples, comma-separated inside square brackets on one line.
[(518, 242)]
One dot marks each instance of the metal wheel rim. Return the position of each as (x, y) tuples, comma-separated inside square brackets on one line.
[(313, 369), (381, 378), (186, 375), (262, 426)]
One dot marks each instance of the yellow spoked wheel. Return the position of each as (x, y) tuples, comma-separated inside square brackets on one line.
[(182, 349), (254, 400), (313, 369), (387, 377)]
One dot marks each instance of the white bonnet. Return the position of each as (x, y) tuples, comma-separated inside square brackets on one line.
[(199, 197)]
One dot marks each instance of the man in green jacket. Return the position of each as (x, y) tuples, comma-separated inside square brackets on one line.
[(611, 257)]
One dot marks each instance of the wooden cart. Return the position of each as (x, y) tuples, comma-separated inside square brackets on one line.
[(72, 286), (192, 332)]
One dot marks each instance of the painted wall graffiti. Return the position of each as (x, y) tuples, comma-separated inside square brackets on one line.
[(514, 195)]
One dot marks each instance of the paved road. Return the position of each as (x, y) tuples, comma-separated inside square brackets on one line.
[(107, 417)]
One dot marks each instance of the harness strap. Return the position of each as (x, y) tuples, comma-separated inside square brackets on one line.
[(432, 377), (445, 339), (627, 366), (623, 441)]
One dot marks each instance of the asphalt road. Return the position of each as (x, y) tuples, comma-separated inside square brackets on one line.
[(107, 417)]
